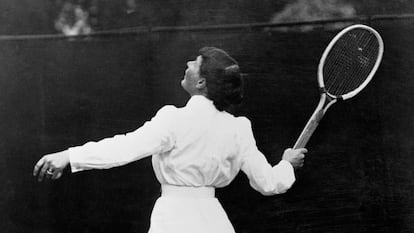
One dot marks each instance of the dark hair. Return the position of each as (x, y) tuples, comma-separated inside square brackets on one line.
[(223, 79)]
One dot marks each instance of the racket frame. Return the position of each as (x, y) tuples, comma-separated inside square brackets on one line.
[(326, 99), (370, 75)]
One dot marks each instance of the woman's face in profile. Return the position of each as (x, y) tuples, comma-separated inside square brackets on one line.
[(192, 75)]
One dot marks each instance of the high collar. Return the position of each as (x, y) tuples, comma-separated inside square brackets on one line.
[(200, 102)]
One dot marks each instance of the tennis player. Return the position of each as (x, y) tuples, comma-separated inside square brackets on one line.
[(194, 150)]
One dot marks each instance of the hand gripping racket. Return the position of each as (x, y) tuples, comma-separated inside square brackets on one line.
[(346, 67)]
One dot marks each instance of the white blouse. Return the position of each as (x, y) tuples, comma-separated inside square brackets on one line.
[(195, 145)]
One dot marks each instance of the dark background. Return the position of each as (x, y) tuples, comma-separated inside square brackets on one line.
[(37, 16), (56, 93)]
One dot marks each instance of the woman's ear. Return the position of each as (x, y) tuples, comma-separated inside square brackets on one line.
[(201, 84)]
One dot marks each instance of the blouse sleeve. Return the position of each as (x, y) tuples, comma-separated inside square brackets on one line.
[(263, 177), (155, 136)]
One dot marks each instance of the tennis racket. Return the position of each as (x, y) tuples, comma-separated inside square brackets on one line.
[(346, 67)]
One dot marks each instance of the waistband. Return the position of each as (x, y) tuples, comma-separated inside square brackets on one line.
[(168, 190)]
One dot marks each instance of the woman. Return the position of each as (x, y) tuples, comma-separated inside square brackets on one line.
[(194, 149)]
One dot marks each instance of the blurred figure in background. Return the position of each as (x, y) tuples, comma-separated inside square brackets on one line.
[(130, 6), (136, 14), (310, 10), (73, 20), (93, 10)]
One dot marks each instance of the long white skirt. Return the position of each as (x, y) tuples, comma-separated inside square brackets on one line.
[(189, 213)]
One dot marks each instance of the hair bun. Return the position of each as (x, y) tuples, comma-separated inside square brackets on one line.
[(224, 81), (232, 69)]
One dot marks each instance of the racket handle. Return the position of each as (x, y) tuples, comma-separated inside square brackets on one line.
[(309, 129)]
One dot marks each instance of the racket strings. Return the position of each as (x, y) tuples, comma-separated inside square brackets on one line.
[(350, 61), (336, 83), (367, 41), (356, 74)]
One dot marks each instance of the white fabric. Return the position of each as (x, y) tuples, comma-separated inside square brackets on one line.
[(168, 190), (196, 146), (184, 209), (189, 215)]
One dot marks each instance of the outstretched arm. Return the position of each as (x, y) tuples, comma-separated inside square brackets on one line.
[(154, 136)]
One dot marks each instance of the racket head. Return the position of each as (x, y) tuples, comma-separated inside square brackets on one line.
[(350, 61)]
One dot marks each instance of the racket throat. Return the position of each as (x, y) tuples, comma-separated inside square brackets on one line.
[(327, 99), (325, 102)]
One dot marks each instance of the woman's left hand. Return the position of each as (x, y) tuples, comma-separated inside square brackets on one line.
[(51, 165)]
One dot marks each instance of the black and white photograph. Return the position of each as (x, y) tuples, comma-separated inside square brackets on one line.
[(196, 116)]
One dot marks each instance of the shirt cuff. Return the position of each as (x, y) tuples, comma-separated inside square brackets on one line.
[(288, 172), (74, 160), (287, 164)]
